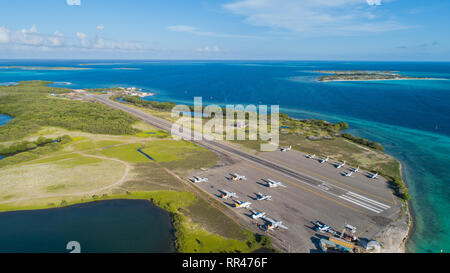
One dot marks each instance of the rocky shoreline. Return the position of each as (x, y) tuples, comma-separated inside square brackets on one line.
[(393, 238)]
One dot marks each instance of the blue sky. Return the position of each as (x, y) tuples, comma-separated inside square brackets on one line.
[(228, 29)]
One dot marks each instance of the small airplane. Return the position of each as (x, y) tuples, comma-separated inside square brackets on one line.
[(373, 175), (350, 228), (356, 170), (285, 149), (348, 174), (338, 166), (227, 194), (272, 224), (239, 204), (237, 177), (274, 184), (311, 156), (257, 215), (319, 226), (199, 179), (261, 197), (323, 160)]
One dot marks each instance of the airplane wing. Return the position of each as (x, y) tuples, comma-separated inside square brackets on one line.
[(268, 219), (224, 191), (283, 226)]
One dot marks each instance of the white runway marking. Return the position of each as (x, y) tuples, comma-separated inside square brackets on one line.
[(364, 202)]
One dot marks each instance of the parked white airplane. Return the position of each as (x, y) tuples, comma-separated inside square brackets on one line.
[(285, 149), (263, 197), (199, 179), (373, 175), (311, 156), (319, 226), (257, 215), (348, 174), (237, 177), (227, 194), (272, 224), (239, 204), (323, 160), (274, 184), (338, 166), (356, 170)]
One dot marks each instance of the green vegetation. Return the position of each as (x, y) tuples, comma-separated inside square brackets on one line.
[(59, 171), (103, 90), (31, 107), (365, 142), (127, 152), (180, 154), (24, 146), (359, 75), (166, 106), (26, 150)]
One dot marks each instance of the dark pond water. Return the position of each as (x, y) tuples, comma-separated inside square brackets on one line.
[(114, 226)]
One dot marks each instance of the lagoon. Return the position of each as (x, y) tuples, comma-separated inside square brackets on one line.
[(3, 120), (113, 226)]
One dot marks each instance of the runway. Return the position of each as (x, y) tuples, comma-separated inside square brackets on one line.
[(314, 191)]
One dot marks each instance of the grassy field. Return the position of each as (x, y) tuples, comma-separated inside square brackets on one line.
[(60, 175), (180, 154), (92, 166)]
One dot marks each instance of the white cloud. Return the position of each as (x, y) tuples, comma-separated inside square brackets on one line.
[(207, 49), (56, 40), (373, 2), (73, 2), (30, 37), (196, 31), (100, 28), (314, 16), (26, 39), (4, 35), (83, 39)]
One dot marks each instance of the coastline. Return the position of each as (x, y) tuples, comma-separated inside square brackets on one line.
[(401, 79), (394, 237), (395, 244)]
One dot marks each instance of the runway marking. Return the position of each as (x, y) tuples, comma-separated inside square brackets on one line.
[(369, 200), (364, 202), (304, 188), (359, 203), (331, 180)]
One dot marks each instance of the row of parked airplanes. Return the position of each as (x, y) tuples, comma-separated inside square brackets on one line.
[(340, 165), (271, 224)]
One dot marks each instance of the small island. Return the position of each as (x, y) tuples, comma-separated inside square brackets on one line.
[(362, 75), (44, 68)]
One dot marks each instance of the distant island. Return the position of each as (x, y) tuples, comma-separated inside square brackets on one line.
[(362, 75), (43, 68), (126, 68)]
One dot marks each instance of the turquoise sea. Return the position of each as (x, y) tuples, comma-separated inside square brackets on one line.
[(411, 118)]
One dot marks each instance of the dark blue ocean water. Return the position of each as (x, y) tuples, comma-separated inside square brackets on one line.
[(410, 118)]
